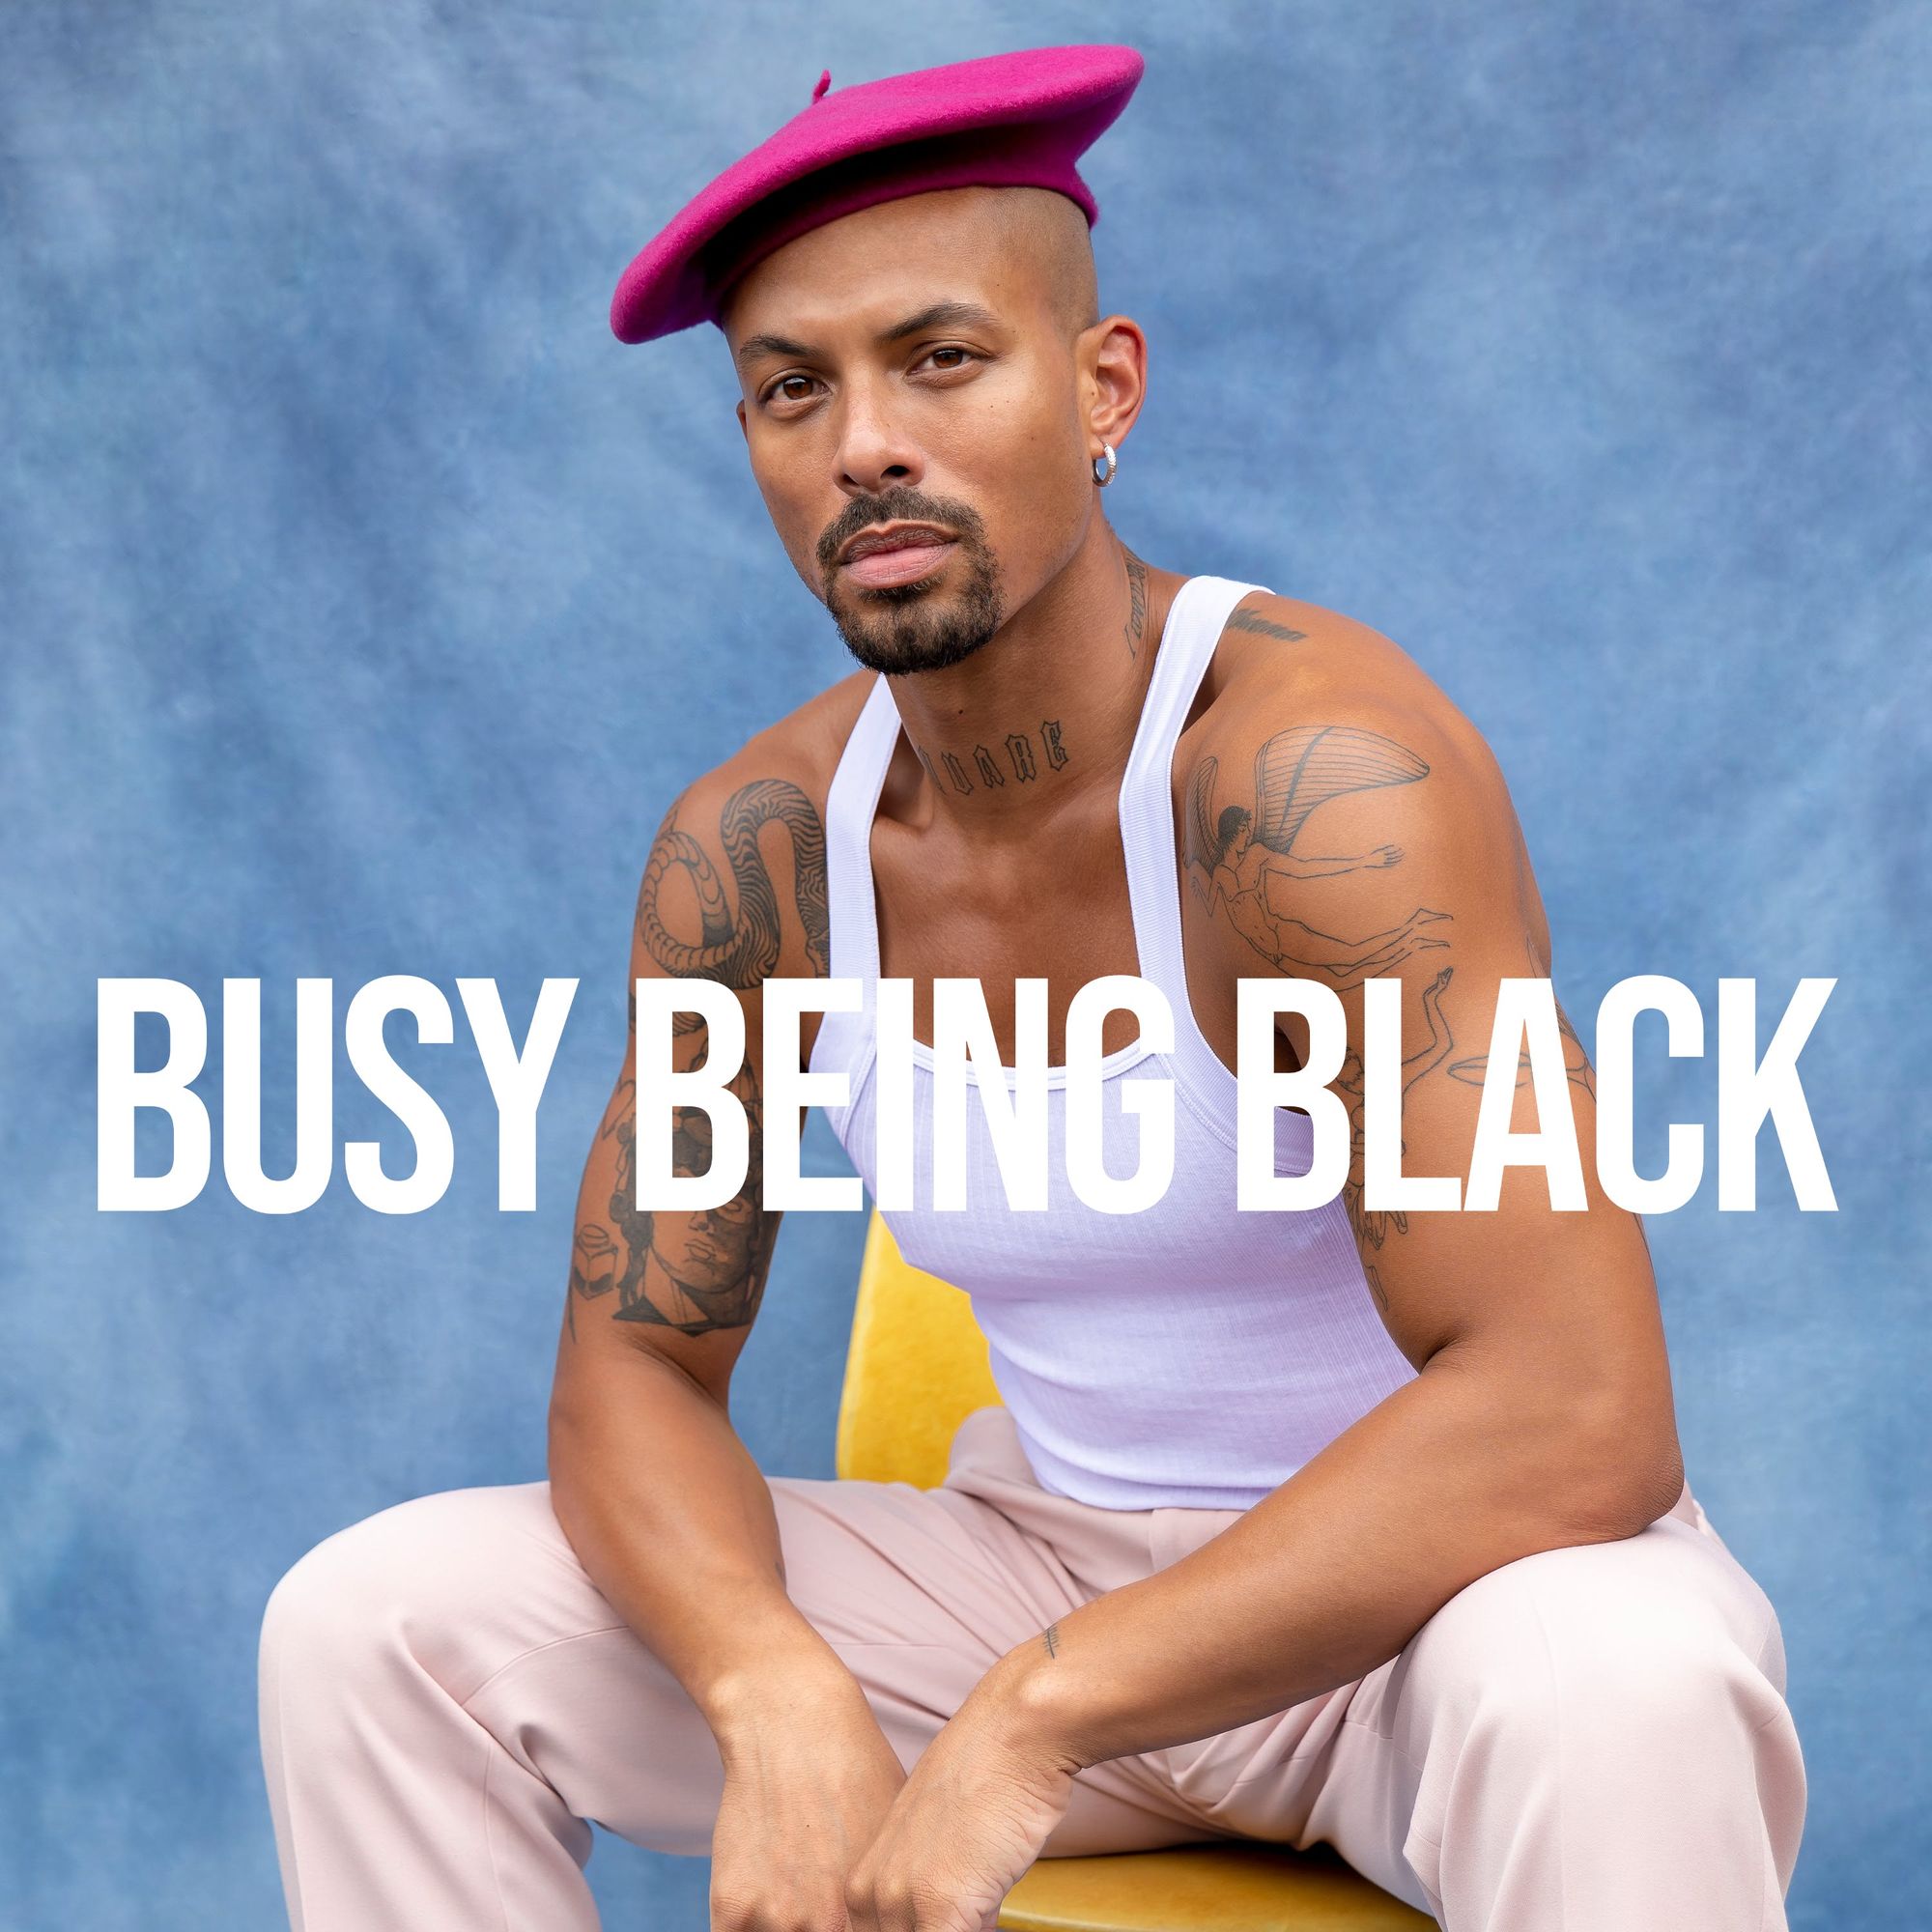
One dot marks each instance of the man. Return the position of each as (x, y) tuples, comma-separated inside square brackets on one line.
[(1340, 1524)]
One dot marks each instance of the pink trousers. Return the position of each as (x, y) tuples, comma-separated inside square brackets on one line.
[(1588, 1740)]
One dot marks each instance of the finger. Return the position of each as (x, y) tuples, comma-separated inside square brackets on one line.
[(860, 1907)]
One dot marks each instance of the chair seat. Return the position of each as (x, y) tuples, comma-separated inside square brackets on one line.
[(1212, 1888)]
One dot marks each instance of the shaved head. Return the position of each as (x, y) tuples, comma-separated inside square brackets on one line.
[(1038, 229), (1049, 231)]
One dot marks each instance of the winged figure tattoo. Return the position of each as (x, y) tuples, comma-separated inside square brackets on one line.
[(1235, 859)]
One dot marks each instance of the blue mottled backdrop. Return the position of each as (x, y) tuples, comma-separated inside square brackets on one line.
[(365, 602)]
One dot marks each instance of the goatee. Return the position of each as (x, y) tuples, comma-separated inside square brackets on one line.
[(929, 625), (902, 628)]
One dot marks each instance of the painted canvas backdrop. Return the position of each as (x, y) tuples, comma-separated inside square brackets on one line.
[(366, 603)]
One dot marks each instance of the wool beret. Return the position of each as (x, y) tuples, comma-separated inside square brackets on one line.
[(1013, 120)]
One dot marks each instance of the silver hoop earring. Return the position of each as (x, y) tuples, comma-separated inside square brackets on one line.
[(1106, 455)]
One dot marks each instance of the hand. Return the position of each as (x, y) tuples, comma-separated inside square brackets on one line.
[(971, 1817), (805, 1790)]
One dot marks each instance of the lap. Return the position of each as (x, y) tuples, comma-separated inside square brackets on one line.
[(482, 1575), (917, 1591), (1655, 1653)]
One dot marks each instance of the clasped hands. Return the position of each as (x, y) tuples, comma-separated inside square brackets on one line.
[(971, 1817)]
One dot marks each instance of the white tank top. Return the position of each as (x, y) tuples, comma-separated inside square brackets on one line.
[(1188, 1354)]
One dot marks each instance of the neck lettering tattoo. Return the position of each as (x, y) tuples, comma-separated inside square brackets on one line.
[(984, 769)]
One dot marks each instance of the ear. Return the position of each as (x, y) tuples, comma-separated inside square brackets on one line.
[(1118, 376), (742, 427)]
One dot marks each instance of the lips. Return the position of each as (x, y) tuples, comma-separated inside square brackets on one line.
[(897, 552), (892, 537), (901, 564)]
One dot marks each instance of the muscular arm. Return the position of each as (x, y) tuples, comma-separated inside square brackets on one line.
[(657, 1496), (1541, 1413)]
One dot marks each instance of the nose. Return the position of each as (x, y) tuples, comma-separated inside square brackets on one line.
[(876, 454)]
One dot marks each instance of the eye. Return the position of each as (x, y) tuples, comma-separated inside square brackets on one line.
[(953, 349), (781, 391)]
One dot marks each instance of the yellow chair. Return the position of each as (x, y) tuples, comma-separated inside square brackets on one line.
[(917, 1368)]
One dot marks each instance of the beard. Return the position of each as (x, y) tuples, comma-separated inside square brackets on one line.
[(940, 620)]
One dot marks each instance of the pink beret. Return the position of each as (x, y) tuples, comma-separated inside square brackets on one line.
[(1018, 120)]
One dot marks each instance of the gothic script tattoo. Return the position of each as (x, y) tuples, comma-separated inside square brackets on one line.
[(1015, 756)]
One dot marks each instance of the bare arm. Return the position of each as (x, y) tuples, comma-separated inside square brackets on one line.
[(657, 1496), (1541, 1414)]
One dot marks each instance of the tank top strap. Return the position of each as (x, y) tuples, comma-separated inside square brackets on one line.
[(850, 803), (1195, 622)]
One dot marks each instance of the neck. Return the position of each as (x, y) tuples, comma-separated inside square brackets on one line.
[(1047, 709)]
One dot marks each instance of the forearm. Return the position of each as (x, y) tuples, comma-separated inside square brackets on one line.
[(673, 1522), (1455, 1473)]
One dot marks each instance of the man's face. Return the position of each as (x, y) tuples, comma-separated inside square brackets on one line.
[(912, 363), (714, 1251)]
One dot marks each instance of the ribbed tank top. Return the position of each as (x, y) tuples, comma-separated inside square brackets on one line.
[(1188, 1354)]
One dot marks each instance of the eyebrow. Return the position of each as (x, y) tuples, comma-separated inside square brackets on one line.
[(935, 314)]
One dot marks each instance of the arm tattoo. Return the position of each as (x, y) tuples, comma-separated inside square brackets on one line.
[(741, 949), (1240, 860), (1575, 1056), (692, 1271), (696, 1272), (1372, 1226), (1295, 772), (1050, 1637), (1575, 1061)]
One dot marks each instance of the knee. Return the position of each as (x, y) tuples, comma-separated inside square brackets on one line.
[(389, 1594), (329, 1616), (1608, 1649), (1659, 1673)]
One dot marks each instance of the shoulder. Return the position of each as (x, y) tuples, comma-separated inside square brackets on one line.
[(1282, 660), (800, 752), (1340, 707), (1324, 753)]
